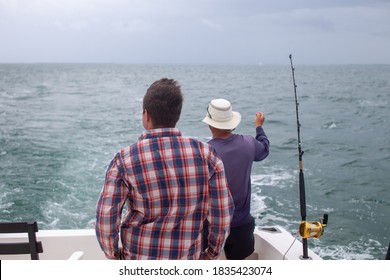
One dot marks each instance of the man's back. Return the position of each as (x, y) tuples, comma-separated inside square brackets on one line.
[(168, 178), (238, 152)]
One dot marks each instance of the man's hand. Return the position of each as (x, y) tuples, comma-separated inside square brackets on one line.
[(259, 119)]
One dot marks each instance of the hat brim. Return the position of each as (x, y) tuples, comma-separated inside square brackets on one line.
[(229, 125)]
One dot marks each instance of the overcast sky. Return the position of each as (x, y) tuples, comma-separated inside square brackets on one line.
[(195, 31)]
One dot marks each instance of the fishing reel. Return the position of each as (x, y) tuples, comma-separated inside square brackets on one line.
[(313, 229)]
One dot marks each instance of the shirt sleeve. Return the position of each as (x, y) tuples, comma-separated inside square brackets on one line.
[(221, 207), (262, 144), (109, 208)]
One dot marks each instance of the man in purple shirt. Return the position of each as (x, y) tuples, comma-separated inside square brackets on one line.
[(238, 152)]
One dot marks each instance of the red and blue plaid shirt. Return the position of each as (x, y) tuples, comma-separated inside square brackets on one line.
[(167, 185)]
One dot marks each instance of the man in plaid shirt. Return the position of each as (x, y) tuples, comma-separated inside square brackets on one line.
[(168, 186)]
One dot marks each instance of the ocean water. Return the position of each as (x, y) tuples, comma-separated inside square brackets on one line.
[(60, 125)]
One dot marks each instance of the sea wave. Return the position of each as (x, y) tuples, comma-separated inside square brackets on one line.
[(61, 124)]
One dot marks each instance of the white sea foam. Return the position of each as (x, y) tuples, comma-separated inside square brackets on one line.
[(276, 177), (258, 204), (373, 103), (5, 206), (329, 125), (6, 195), (353, 251)]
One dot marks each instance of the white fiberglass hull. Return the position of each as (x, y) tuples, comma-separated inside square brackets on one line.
[(271, 243)]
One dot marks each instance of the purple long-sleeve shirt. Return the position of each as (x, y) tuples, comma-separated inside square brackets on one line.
[(238, 152)]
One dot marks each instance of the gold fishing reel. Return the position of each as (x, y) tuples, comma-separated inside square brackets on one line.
[(313, 229)]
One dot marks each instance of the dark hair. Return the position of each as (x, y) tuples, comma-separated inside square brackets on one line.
[(163, 101)]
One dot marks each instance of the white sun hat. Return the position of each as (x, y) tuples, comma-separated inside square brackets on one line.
[(220, 115)]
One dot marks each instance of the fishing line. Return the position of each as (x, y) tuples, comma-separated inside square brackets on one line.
[(295, 239)]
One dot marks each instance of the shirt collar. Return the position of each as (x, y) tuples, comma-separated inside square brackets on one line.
[(160, 132)]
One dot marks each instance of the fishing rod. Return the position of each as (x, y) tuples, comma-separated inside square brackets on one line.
[(306, 229)]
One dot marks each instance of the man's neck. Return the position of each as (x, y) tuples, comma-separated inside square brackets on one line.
[(218, 133)]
